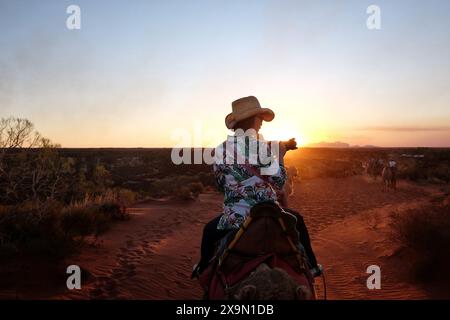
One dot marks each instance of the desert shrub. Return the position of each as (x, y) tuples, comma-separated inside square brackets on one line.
[(413, 172), (325, 168), (183, 193), (111, 203), (92, 216), (51, 200), (207, 178), (53, 230), (434, 168), (77, 221), (33, 228), (196, 188), (126, 196), (82, 222), (113, 211), (180, 187), (439, 174), (188, 192), (426, 231)]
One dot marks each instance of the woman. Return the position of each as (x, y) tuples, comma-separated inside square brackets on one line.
[(244, 181)]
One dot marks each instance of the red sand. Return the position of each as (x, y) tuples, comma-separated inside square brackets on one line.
[(151, 256)]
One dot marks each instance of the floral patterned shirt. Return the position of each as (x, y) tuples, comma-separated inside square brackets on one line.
[(242, 184)]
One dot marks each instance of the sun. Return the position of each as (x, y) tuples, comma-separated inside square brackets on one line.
[(283, 133)]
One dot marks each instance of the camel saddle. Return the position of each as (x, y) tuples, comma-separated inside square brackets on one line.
[(267, 230)]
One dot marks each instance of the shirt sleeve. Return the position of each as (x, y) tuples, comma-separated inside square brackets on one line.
[(219, 175), (278, 179)]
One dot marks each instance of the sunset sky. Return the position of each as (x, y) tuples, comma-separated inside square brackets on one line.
[(139, 73)]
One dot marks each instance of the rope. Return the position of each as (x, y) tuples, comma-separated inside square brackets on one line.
[(324, 286), (241, 231), (298, 254)]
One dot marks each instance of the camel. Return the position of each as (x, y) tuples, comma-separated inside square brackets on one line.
[(374, 168), (388, 178), (260, 260), (266, 283)]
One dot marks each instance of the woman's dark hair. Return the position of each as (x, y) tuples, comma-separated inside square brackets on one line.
[(245, 124)]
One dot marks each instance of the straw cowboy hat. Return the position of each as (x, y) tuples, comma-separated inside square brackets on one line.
[(247, 107)]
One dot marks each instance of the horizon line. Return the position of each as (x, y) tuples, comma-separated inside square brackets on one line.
[(203, 147)]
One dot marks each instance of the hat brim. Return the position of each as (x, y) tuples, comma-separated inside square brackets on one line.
[(231, 120)]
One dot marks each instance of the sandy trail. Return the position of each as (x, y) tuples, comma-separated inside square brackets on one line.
[(151, 256), (349, 222)]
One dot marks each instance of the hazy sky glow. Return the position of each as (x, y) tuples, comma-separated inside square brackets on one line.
[(137, 71)]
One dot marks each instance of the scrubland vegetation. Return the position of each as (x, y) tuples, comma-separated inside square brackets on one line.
[(433, 165), (424, 234), (49, 203), (53, 200)]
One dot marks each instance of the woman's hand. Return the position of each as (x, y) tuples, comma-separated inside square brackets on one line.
[(285, 146), (291, 144)]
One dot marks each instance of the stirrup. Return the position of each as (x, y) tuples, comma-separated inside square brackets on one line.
[(195, 271), (316, 271)]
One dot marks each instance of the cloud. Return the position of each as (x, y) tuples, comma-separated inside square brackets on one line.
[(405, 129)]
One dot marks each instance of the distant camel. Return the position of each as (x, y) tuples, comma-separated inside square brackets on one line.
[(388, 178), (374, 168)]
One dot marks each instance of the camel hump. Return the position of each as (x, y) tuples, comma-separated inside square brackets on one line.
[(266, 209), (271, 230), (272, 212)]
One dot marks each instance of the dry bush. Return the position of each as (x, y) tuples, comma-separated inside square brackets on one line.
[(111, 204), (34, 229), (51, 229), (126, 196), (49, 203), (426, 232), (179, 187), (188, 192), (92, 219), (325, 168), (183, 193), (196, 188)]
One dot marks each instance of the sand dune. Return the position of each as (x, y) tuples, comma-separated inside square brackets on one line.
[(151, 256)]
